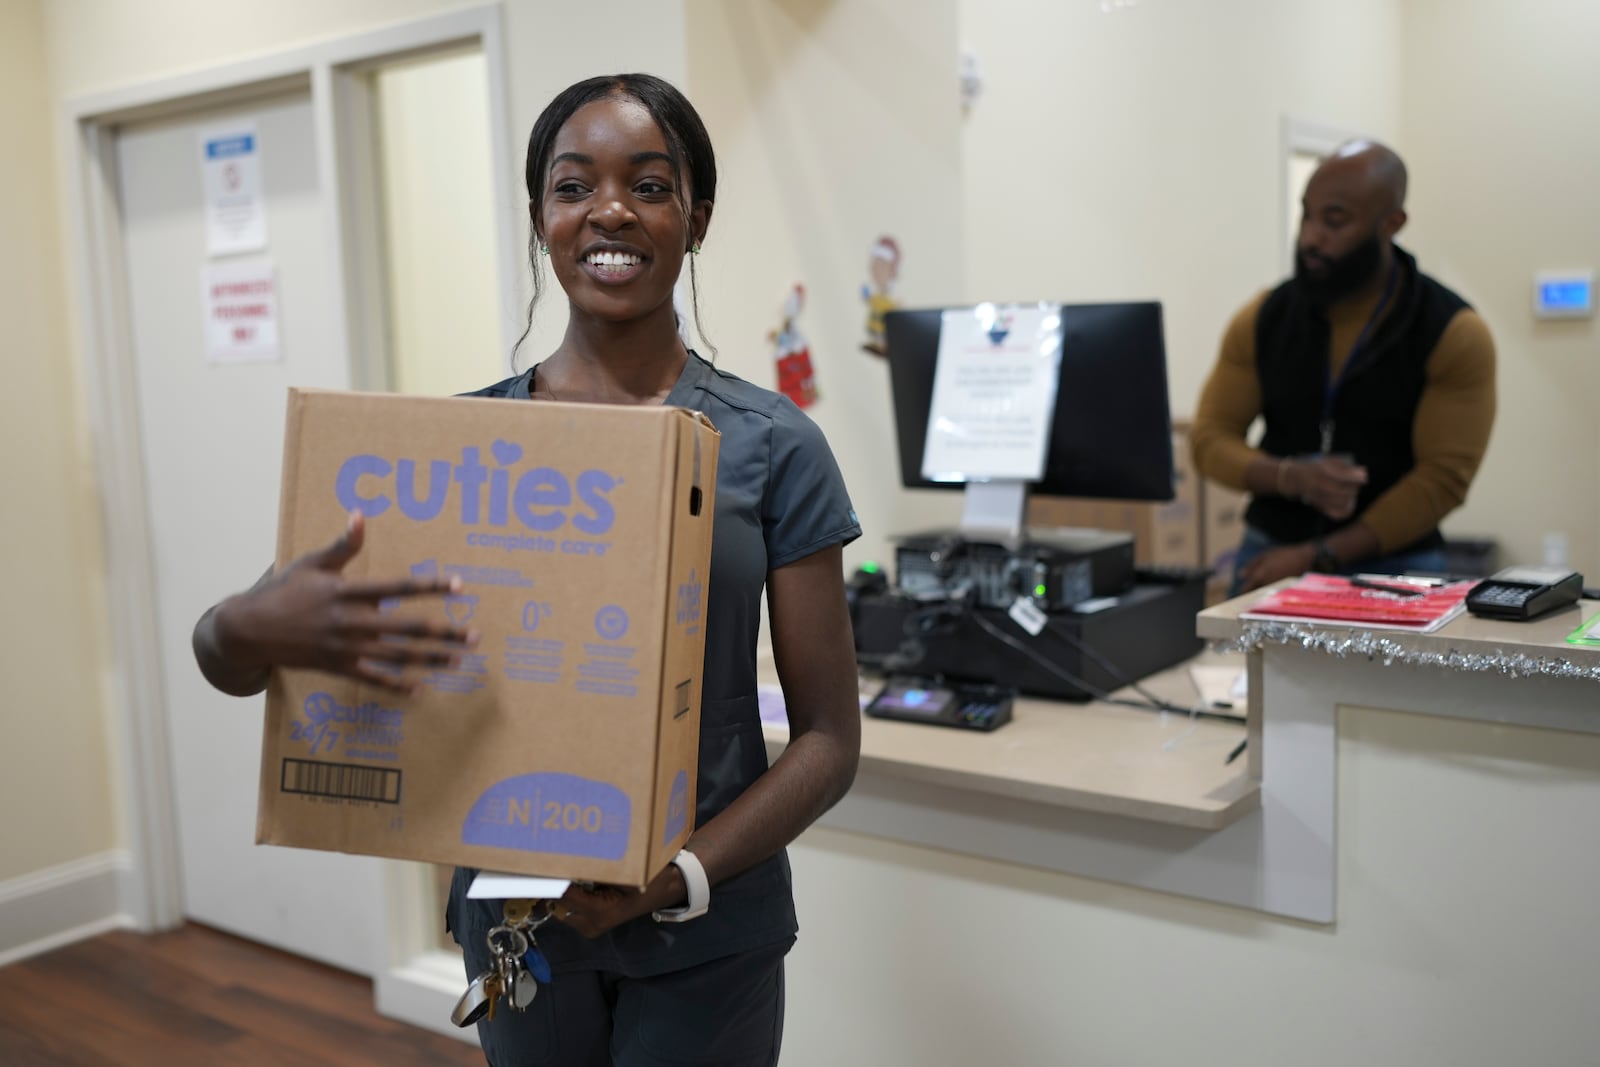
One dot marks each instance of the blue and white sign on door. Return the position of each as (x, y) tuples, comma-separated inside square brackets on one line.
[(235, 216)]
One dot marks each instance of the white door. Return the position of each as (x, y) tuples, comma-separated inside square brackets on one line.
[(213, 441)]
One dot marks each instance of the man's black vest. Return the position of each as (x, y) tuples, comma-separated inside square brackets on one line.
[(1376, 401)]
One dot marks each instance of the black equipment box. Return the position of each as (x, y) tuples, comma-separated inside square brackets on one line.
[(1054, 570), (1149, 628)]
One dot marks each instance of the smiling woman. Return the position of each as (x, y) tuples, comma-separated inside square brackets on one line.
[(614, 216), (621, 180)]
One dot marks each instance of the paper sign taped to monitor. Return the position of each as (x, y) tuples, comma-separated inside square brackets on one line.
[(994, 391)]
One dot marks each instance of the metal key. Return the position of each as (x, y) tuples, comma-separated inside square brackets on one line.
[(516, 962), (508, 945), (478, 1000), (520, 985)]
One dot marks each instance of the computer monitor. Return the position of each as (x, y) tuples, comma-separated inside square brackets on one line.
[(1111, 433)]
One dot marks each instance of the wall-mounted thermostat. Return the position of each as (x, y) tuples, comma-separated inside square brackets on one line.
[(1563, 294)]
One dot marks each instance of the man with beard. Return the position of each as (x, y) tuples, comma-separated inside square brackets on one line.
[(1375, 384)]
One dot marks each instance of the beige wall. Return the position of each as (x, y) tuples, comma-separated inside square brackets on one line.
[(1139, 156), (55, 785), (1502, 101), (823, 144), (96, 45), (1135, 138)]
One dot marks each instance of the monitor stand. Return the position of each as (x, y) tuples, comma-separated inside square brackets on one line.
[(994, 510)]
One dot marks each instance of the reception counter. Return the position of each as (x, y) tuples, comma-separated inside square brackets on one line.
[(1100, 758), (1149, 799), (1402, 869)]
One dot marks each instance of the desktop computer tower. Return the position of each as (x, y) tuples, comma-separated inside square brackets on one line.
[(1054, 569), (1076, 656)]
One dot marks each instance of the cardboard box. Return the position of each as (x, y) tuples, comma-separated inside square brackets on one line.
[(1164, 534), (1223, 509), (566, 743)]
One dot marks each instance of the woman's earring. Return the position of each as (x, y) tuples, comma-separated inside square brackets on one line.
[(544, 250), (694, 249)]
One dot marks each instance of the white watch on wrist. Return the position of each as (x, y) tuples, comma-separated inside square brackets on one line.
[(694, 877)]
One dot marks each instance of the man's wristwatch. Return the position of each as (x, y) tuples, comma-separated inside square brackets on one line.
[(1323, 560), (694, 877)]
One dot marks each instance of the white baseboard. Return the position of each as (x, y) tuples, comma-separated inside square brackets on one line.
[(47, 909), (423, 992)]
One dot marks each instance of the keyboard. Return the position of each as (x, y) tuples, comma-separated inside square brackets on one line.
[(1170, 574)]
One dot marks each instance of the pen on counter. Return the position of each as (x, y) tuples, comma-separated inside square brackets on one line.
[(1408, 580), (1385, 587), (1238, 751)]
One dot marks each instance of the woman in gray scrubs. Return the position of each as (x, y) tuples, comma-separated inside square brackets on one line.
[(621, 183)]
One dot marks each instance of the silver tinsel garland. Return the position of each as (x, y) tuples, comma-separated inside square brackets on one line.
[(1366, 644)]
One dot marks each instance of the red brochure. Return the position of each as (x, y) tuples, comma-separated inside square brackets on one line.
[(1371, 602)]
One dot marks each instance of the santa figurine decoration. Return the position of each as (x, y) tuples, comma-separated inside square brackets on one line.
[(793, 353), (883, 267)]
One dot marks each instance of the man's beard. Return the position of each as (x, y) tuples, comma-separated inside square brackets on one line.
[(1342, 276)]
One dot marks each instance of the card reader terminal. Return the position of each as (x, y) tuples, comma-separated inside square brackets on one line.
[(966, 705), (1522, 593)]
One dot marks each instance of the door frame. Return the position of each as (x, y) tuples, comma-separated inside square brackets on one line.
[(1297, 135), (149, 890)]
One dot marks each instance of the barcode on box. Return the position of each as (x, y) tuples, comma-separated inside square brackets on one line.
[(346, 781)]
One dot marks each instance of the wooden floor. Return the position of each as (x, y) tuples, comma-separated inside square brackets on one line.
[(198, 996)]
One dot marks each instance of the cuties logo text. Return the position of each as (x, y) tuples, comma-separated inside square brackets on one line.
[(543, 499)]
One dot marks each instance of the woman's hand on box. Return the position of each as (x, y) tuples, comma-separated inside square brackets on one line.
[(309, 615)]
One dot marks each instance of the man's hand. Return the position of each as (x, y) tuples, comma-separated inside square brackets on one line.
[(1327, 483), (1285, 561)]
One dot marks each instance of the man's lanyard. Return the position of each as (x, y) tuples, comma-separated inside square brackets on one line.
[(1330, 391)]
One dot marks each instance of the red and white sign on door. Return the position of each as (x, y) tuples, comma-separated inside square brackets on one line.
[(240, 298)]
